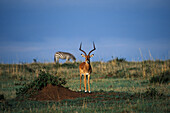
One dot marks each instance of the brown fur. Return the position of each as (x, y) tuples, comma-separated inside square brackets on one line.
[(85, 67)]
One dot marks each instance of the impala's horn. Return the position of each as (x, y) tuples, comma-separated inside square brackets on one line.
[(81, 49), (94, 48)]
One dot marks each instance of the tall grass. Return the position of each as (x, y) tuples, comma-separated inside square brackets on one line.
[(129, 78)]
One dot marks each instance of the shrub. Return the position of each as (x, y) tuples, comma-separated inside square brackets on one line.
[(2, 97), (43, 79), (118, 60), (70, 65), (152, 92), (162, 78)]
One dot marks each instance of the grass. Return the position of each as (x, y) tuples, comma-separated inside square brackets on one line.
[(121, 86)]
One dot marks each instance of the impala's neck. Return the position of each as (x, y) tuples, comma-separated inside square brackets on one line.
[(87, 62)]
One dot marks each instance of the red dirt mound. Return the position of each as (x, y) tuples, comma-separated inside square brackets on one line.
[(57, 93)]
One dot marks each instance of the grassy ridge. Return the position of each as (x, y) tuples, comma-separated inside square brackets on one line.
[(140, 86)]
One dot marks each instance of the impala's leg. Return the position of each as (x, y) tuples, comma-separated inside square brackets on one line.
[(85, 82), (89, 83), (80, 81)]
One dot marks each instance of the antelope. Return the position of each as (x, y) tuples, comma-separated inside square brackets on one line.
[(63, 55), (85, 67)]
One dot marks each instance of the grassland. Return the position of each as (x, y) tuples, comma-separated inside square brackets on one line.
[(120, 86)]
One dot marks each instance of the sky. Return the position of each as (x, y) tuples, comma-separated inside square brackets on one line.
[(36, 29)]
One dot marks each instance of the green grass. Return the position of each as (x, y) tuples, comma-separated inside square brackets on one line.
[(123, 102), (119, 87)]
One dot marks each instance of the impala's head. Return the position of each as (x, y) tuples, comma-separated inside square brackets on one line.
[(87, 57)]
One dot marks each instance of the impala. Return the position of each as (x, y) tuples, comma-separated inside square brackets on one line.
[(85, 67)]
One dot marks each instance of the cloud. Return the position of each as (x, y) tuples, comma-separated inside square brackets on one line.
[(18, 49)]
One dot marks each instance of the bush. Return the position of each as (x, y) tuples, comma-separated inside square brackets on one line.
[(42, 81), (152, 92), (118, 60), (121, 59), (162, 78), (2, 97), (70, 65)]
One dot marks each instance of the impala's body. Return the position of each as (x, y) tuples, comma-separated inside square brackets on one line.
[(85, 68)]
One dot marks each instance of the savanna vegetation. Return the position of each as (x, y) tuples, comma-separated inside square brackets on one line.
[(116, 85)]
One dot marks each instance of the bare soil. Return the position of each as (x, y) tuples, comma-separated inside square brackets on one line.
[(57, 93)]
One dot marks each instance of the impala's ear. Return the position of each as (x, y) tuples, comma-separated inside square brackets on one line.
[(82, 55), (91, 55)]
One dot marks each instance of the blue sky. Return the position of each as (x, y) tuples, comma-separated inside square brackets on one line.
[(38, 28)]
